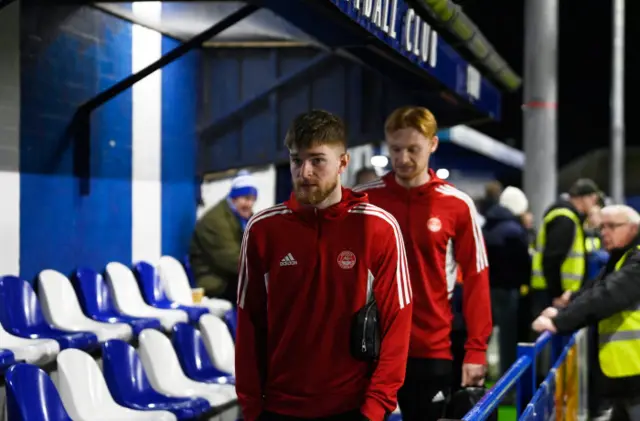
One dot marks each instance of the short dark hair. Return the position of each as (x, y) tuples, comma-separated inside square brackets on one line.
[(584, 187), (316, 127), (364, 171), (493, 189)]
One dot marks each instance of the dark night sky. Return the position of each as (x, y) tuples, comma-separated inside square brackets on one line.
[(584, 69)]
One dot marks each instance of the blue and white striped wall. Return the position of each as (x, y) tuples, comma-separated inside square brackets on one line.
[(142, 200)]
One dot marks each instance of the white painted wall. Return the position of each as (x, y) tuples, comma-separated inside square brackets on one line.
[(10, 139), (215, 191), (146, 241)]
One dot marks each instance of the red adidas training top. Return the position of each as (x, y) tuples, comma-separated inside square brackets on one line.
[(304, 273), (441, 235)]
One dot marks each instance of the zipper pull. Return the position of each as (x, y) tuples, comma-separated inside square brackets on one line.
[(364, 347)]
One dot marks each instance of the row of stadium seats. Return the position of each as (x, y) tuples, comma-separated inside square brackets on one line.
[(185, 374)]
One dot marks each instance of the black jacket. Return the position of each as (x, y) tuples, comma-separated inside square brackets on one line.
[(507, 243), (611, 293), (559, 239)]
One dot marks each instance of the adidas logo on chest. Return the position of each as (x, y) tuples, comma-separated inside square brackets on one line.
[(288, 260)]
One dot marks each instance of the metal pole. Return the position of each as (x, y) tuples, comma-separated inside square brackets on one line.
[(540, 104), (616, 154)]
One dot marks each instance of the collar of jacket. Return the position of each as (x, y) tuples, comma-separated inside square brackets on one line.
[(338, 211), (616, 254), (422, 190), (569, 205)]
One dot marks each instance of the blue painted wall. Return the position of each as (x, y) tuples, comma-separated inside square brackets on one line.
[(179, 145), (68, 55)]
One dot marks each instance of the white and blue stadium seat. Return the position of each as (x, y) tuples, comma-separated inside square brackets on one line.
[(85, 394), (21, 315), (166, 376), (129, 385), (97, 303), (231, 319), (33, 351), (194, 358), (7, 359), (129, 301), (176, 285), (154, 294), (61, 307), (219, 343), (32, 396)]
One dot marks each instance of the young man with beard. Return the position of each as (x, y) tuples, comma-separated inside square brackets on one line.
[(441, 236), (307, 267)]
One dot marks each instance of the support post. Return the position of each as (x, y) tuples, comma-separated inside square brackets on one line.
[(82, 119), (540, 104), (616, 153)]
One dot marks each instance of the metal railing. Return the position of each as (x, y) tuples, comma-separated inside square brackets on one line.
[(535, 401)]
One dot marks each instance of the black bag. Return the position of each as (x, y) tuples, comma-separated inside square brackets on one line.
[(463, 400), (365, 333)]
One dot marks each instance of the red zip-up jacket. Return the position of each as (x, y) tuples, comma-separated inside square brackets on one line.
[(304, 273), (442, 236)]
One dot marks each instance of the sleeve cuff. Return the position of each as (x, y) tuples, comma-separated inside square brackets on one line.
[(475, 357), (373, 410)]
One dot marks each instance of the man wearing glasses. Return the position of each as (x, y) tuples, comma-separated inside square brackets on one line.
[(612, 302)]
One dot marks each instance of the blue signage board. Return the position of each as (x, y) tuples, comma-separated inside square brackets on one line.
[(400, 27)]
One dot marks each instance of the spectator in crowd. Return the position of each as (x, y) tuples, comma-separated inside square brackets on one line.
[(492, 191), (527, 222), (559, 263), (313, 262), (507, 245), (612, 302), (442, 235), (215, 244), (365, 175), (592, 229)]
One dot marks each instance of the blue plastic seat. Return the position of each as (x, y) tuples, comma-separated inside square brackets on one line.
[(21, 315), (130, 387), (7, 359), (231, 319), (95, 299), (32, 396), (154, 294), (193, 356)]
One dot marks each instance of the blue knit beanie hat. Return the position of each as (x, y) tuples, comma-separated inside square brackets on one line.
[(243, 185)]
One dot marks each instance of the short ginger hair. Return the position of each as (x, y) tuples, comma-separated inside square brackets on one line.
[(412, 117), (315, 128)]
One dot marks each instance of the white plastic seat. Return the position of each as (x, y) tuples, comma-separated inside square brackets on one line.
[(32, 351), (85, 394), (165, 374), (219, 343), (128, 299), (176, 285), (62, 309)]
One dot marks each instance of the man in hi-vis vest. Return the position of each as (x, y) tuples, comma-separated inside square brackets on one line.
[(613, 302), (559, 262)]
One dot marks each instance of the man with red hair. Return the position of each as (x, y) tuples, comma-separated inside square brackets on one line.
[(441, 236)]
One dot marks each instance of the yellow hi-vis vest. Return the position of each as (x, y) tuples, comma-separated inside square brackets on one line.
[(574, 265), (619, 338), (592, 244)]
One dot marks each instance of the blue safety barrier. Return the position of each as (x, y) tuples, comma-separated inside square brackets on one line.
[(539, 402)]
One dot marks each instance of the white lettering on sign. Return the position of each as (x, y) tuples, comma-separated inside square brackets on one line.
[(474, 82), (420, 39)]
